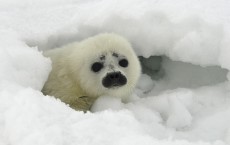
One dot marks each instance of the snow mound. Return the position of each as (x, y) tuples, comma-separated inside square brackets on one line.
[(182, 99)]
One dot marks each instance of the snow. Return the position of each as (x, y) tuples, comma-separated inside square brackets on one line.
[(187, 103)]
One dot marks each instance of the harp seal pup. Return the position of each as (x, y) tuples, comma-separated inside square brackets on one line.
[(104, 64)]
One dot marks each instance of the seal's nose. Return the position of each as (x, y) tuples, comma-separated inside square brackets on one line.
[(114, 79)]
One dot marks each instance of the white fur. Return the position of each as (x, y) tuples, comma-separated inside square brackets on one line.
[(72, 79)]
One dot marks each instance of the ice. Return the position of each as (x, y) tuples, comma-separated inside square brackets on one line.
[(187, 102)]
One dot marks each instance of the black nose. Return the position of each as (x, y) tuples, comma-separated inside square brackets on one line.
[(114, 79), (114, 76)]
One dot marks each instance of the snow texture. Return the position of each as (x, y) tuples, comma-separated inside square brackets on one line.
[(189, 104)]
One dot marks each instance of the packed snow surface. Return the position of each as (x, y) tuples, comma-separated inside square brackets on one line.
[(188, 104)]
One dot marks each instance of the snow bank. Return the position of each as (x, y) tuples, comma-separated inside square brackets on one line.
[(188, 104), (20, 64)]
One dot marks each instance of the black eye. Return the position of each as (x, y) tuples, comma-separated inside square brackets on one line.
[(97, 66), (123, 62)]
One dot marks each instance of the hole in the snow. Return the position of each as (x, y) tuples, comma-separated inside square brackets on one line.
[(165, 73), (168, 74)]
